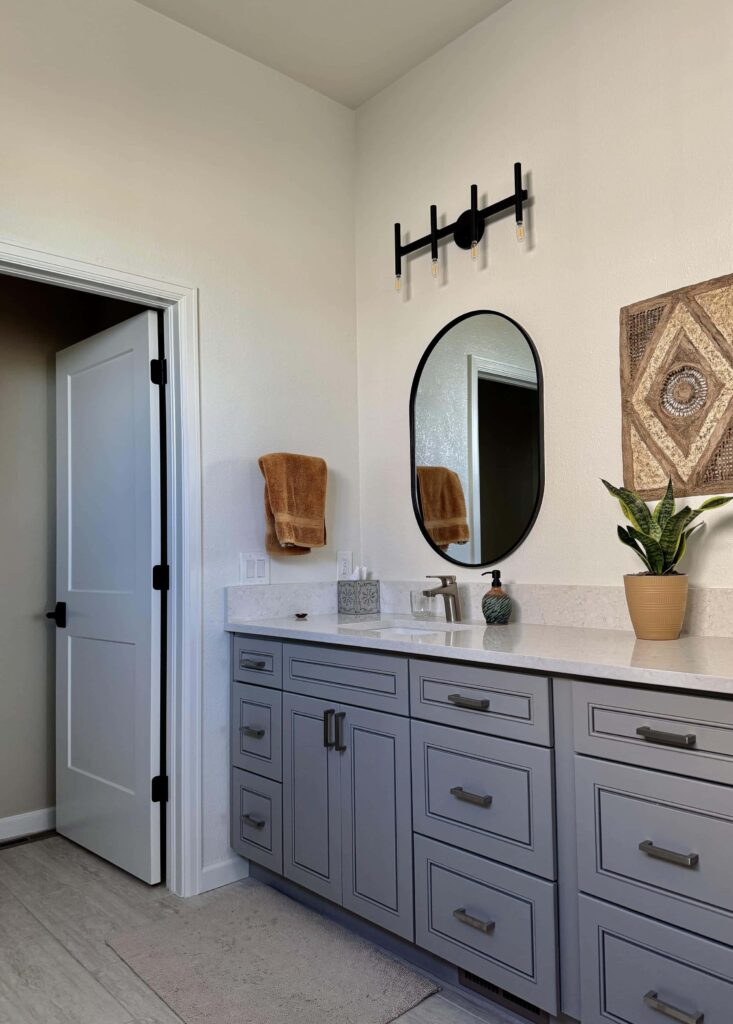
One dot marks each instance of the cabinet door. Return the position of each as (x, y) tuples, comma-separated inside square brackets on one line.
[(377, 827), (311, 796)]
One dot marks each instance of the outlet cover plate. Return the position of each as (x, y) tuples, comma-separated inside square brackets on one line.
[(344, 565)]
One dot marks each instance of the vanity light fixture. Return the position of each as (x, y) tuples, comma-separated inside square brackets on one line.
[(467, 229)]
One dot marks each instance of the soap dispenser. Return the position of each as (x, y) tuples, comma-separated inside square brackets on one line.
[(496, 604)]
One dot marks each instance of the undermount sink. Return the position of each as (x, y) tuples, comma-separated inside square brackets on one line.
[(410, 628)]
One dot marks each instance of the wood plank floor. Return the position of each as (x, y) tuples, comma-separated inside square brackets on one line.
[(58, 906)]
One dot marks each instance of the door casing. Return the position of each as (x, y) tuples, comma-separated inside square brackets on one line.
[(179, 305)]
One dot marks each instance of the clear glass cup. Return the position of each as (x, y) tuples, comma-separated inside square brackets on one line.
[(421, 605)]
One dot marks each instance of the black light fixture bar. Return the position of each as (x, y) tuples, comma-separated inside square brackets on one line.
[(467, 230)]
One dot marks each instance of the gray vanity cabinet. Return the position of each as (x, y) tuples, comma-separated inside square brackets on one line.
[(347, 832)]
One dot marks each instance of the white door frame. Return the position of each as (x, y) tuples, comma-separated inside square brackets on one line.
[(483, 368), (180, 309)]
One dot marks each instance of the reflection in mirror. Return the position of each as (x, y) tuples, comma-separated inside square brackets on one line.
[(476, 426)]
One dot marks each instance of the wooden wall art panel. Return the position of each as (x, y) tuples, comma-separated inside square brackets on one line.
[(677, 391)]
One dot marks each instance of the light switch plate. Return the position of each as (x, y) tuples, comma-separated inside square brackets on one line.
[(344, 565), (254, 568)]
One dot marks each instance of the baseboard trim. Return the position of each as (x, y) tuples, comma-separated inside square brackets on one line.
[(19, 825), (232, 869)]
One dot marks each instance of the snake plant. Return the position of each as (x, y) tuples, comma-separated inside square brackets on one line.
[(659, 536)]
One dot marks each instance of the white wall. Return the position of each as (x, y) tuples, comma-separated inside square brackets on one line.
[(135, 143), (620, 114)]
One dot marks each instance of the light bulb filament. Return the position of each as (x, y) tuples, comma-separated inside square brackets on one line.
[(435, 268)]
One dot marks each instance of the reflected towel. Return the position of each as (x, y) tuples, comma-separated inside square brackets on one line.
[(443, 505), (295, 503)]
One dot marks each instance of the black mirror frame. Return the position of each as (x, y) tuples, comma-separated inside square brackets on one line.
[(541, 439)]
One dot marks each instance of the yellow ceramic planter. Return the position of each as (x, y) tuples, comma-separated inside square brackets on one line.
[(656, 605)]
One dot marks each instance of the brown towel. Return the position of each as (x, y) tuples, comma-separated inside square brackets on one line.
[(443, 505), (295, 503)]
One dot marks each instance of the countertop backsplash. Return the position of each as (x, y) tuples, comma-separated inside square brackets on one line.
[(710, 610)]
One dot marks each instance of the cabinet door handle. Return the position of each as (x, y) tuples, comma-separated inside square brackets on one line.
[(253, 663), (470, 703), (340, 745), (667, 739), (327, 719), (685, 860), (255, 734), (471, 798), (486, 927), (253, 821), (667, 1010)]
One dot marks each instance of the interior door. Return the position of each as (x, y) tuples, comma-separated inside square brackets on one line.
[(108, 540), (311, 795), (377, 819)]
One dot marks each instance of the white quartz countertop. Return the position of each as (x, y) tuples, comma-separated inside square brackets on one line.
[(703, 664)]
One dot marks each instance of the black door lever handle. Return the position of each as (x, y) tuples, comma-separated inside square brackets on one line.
[(58, 615)]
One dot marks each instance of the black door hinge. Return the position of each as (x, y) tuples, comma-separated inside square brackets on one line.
[(159, 371), (161, 577), (159, 789)]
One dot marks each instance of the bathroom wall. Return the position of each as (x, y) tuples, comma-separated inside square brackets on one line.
[(36, 321), (132, 142), (619, 114)]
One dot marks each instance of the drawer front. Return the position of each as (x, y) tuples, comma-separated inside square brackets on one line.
[(257, 661), (509, 704), (376, 681), (659, 844), (497, 923), (257, 816), (638, 971), (256, 724), (672, 732), (487, 795)]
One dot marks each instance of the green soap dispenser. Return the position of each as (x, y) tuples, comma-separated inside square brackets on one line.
[(496, 604)]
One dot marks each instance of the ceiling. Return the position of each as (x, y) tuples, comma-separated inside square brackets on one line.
[(347, 49)]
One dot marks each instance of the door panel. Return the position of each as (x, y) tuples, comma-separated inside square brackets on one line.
[(311, 798), (108, 539), (377, 828)]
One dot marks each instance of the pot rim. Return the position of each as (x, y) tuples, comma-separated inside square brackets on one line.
[(654, 576)]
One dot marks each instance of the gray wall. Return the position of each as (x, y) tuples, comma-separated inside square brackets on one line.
[(35, 322)]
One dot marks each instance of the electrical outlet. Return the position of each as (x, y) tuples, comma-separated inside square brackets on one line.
[(254, 567), (344, 565)]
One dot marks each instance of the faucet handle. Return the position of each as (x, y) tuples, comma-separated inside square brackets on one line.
[(445, 581)]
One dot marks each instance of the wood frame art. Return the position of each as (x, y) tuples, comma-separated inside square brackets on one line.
[(677, 391)]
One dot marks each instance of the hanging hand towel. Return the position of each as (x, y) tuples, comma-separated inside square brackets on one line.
[(295, 503), (443, 505)]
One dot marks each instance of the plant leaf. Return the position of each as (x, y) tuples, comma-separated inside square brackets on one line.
[(652, 548), (629, 541), (665, 508), (672, 532), (682, 546), (632, 506), (714, 503)]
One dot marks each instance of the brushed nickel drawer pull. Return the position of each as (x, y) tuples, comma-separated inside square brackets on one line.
[(486, 927), (252, 663), (253, 821), (470, 703), (255, 734), (667, 1010), (471, 798), (685, 860), (667, 739)]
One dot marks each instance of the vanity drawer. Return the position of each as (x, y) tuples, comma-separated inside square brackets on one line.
[(637, 971), (487, 795), (497, 923), (682, 872), (510, 704), (257, 661), (257, 819), (256, 730), (376, 681), (673, 732)]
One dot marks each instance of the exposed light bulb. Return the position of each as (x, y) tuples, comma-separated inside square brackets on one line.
[(520, 230), (397, 282), (474, 250), (435, 268)]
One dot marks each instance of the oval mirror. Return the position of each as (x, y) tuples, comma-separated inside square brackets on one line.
[(476, 435)]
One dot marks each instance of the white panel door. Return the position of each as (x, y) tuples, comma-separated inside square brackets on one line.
[(108, 540)]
